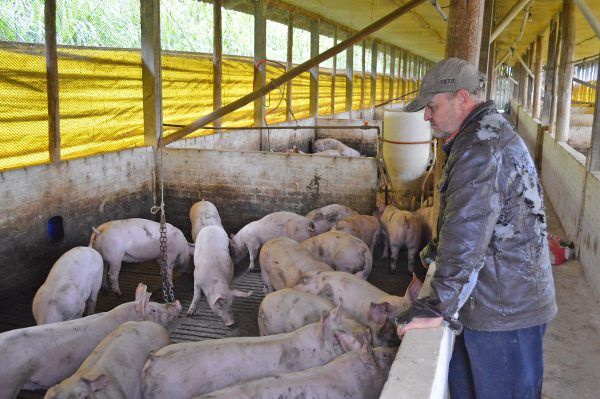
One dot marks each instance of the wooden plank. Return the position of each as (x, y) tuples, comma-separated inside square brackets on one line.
[(314, 71), (52, 80), (260, 56), (273, 84), (549, 87), (151, 71), (463, 38), (392, 72), (290, 65), (537, 82), (565, 79), (554, 103), (487, 26), (217, 58)]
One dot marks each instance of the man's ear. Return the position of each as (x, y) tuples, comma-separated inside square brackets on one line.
[(463, 96)]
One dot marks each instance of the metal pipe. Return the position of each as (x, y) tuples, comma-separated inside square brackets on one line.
[(508, 19), (361, 127), (273, 84), (589, 16)]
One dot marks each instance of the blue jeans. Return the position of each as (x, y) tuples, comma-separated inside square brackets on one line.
[(497, 364)]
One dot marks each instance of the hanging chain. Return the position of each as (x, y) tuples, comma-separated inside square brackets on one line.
[(167, 284)]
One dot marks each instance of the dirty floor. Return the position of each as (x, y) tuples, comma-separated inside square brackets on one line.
[(572, 341)]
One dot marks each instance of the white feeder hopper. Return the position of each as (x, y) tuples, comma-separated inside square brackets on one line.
[(406, 151)]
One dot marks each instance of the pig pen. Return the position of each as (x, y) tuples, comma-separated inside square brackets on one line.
[(244, 185)]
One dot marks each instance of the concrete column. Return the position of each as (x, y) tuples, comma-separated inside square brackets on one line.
[(565, 79), (548, 78), (260, 54), (464, 30), (290, 65), (537, 83), (52, 81), (217, 57), (151, 71), (373, 74), (314, 71), (594, 152)]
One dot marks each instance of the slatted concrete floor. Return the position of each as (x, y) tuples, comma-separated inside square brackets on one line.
[(15, 311)]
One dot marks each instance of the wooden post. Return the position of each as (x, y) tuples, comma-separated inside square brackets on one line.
[(383, 73), (392, 71), (260, 55), (373, 75), (485, 51), (334, 72), (52, 80), (217, 57), (463, 41), (290, 48), (151, 71), (399, 73), (565, 79), (363, 76), (524, 83), (404, 74), (530, 79), (554, 102), (537, 83), (491, 74), (314, 71), (464, 30), (548, 79), (349, 80), (594, 151)]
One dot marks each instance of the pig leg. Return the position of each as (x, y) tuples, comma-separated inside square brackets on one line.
[(104, 277), (374, 240), (90, 304), (114, 267), (195, 299), (386, 244), (412, 252), (253, 249), (394, 257), (266, 281)]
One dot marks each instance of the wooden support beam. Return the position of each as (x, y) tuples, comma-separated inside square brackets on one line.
[(463, 38), (404, 73), (290, 65), (349, 79), (383, 73), (52, 80), (525, 62), (487, 25), (524, 82), (490, 93), (373, 74), (392, 72), (314, 71), (514, 11), (151, 71), (537, 82), (548, 79), (589, 16), (594, 151), (565, 79), (399, 73), (334, 71), (530, 79), (363, 75), (554, 102), (273, 84), (260, 56), (217, 58)]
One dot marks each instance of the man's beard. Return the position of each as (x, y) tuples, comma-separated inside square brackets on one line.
[(440, 135)]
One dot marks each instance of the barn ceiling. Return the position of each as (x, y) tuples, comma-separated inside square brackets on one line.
[(424, 32)]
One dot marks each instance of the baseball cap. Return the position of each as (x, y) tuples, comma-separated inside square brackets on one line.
[(446, 76)]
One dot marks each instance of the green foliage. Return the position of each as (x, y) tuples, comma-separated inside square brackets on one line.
[(22, 21), (186, 26)]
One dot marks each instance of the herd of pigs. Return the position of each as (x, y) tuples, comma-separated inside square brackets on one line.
[(325, 331)]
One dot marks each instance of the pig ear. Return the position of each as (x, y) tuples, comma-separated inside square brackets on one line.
[(347, 341), (379, 312), (322, 326), (140, 292), (96, 231), (412, 291), (96, 382), (367, 356), (240, 294), (336, 314), (215, 299)]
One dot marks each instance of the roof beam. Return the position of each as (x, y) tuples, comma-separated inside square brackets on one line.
[(508, 19), (589, 16)]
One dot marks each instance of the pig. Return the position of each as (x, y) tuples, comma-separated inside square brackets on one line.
[(104, 374), (400, 229), (278, 224), (425, 216), (365, 227), (71, 287), (342, 251), (333, 144), (213, 273), (283, 260), (41, 356), (202, 214), (138, 240), (360, 299), (329, 153), (288, 309), (193, 368), (324, 218), (359, 374)]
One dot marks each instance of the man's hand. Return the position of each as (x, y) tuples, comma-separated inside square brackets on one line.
[(419, 322)]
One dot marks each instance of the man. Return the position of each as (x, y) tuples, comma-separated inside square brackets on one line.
[(492, 264)]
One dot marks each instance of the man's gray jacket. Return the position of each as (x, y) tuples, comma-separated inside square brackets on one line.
[(493, 264)]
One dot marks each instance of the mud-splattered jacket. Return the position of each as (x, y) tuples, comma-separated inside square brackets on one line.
[(493, 264)]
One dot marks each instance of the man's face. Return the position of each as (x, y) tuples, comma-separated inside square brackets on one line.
[(444, 114)]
